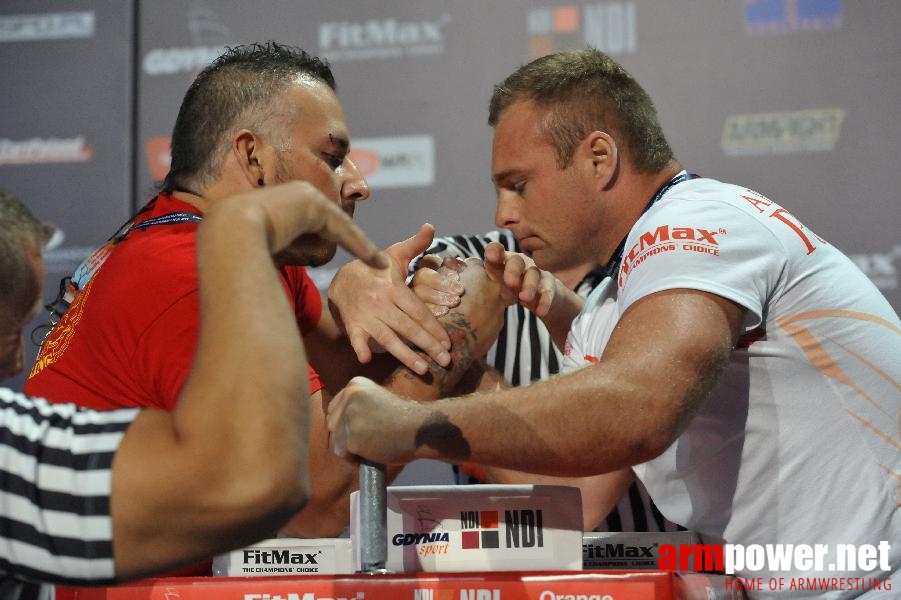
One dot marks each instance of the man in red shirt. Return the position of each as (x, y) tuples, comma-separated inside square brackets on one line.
[(95, 497), (258, 115)]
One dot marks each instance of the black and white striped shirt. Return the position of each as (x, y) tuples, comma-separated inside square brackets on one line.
[(55, 481), (524, 353)]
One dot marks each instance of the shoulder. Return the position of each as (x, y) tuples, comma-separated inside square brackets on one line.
[(708, 236), (163, 257), (703, 215), (709, 200)]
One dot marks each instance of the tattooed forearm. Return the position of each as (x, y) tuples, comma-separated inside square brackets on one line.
[(463, 339)]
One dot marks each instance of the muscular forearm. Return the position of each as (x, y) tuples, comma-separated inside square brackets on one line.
[(484, 380), (471, 327), (625, 410), (600, 493), (541, 434), (336, 363), (467, 347)]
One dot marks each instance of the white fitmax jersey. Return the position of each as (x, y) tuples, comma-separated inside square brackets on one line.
[(800, 441)]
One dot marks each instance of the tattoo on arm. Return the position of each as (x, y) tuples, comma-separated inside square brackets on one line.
[(463, 339)]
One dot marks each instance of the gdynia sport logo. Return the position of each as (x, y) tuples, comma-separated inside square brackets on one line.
[(805, 566)]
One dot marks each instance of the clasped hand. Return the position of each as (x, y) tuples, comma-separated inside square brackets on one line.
[(379, 312), (522, 281)]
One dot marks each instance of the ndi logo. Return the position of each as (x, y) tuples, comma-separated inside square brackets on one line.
[(523, 529), (464, 594), (611, 27), (479, 529)]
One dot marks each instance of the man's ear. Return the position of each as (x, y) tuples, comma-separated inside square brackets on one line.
[(247, 149), (601, 149)]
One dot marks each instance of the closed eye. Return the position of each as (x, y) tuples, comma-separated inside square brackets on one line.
[(334, 160)]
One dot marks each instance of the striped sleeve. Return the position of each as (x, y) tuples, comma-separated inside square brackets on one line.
[(465, 246), (524, 352), (55, 482)]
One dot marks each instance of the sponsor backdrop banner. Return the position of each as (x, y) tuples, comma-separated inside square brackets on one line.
[(66, 122), (794, 98)]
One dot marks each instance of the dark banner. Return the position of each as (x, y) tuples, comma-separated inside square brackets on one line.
[(797, 99), (794, 98), (66, 122)]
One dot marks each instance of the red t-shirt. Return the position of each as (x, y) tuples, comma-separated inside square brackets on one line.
[(129, 337)]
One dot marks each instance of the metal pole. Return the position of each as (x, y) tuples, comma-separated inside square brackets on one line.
[(373, 518)]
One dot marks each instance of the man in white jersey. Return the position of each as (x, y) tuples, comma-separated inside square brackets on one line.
[(92, 497), (742, 366), (523, 353)]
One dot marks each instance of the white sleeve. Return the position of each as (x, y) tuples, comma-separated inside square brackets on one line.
[(706, 245), (591, 329)]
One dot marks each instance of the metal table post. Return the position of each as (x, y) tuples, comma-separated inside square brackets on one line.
[(373, 518)]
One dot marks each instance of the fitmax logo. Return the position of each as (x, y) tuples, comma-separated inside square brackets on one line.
[(618, 551), (280, 557), (664, 234), (386, 32)]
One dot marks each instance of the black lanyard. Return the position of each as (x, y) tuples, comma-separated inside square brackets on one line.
[(90, 265), (617, 258), (166, 219)]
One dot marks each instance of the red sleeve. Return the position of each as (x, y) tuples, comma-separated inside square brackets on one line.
[(315, 382), (307, 305), (166, 351)]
